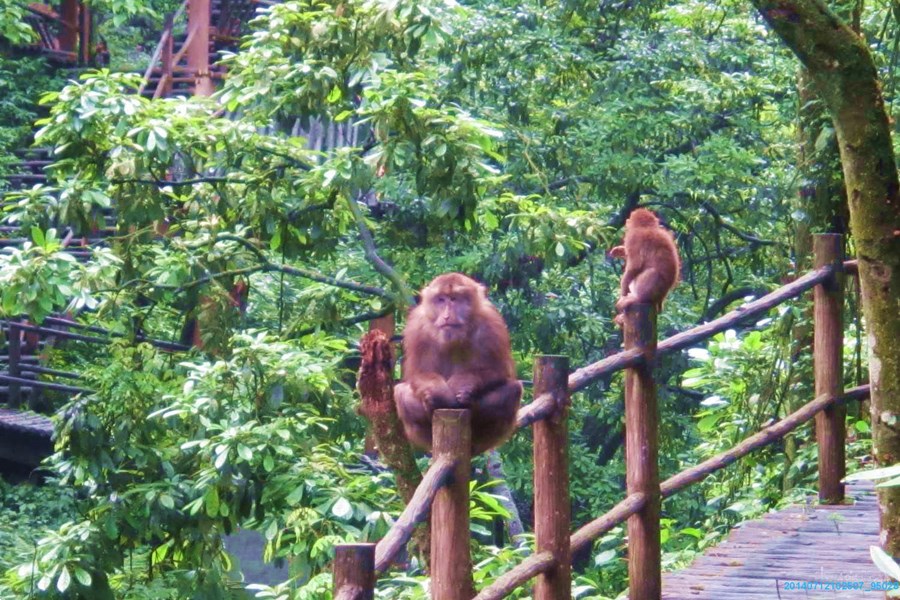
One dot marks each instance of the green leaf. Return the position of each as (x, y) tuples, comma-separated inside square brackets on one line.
[(334, 95), (211, 502), (37, 236), (884, 562), (83, 577), (708, 423), (272, 530), (64, 581), (342, 509), (245, 452), (882, 473)]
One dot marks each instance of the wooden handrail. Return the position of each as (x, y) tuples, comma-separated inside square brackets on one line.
[(184, 46), (167, 31), (615, 516), (764, 437), (532, 566), (415, 512), (584, 376), (695, 474)]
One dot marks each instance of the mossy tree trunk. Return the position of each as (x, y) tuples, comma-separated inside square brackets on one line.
[(844, 74)]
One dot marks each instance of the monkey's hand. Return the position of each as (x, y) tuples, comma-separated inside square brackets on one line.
[(433, 391), (464, 386), (617, 252)]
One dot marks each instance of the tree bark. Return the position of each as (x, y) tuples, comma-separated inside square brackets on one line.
[(845, 77)]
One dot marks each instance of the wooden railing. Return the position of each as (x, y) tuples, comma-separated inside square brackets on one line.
[(163, 55), (19, 372), (166, 60), (65, 34), (446, 482)]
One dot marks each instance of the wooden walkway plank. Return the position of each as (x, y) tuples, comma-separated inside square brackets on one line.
[(25, 437), (801, 552)]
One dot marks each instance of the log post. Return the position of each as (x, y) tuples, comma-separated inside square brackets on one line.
[(828, 359), (552, 508), (451, 564), (68, 33), (641, 449), (198, 51), (354, 571), (85, 33), (15, 356), (385, 325), (167, 69)]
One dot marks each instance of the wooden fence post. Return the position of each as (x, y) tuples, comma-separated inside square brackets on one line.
[(85, 35), (641, 449), (828, 361), (14, 339), (166, 70), (552, 509), (198, 52), (68, 34), (354, 571), (451, 563)]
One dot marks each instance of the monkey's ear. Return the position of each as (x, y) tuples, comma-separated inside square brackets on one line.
[(482, 291)]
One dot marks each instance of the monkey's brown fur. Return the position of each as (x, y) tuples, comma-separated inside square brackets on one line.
[(651, 262), (456, 354)]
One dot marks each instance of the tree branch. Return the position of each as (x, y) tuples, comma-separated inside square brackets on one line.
[(372, 254)]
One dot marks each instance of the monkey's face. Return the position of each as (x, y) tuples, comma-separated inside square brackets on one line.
[(450, 314)]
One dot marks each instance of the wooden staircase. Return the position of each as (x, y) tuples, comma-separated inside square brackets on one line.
[(170, 72), (23, 347), (63, 31)]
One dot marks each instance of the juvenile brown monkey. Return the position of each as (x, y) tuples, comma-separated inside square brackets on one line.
[(456, 354), (651, 262)]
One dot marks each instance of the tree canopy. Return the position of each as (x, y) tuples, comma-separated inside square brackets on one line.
[(353, 150)]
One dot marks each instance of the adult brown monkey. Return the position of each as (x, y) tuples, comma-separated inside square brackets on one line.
[(456, 354), (651, 262)]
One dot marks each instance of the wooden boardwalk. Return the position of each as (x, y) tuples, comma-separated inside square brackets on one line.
[(797, 553), (25, 437)]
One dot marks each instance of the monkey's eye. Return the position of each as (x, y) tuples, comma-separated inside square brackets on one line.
[(440, 300)]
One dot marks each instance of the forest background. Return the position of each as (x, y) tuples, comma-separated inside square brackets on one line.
[(508, 141)]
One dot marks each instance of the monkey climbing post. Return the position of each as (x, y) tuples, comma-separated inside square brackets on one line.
[(641, 450), (451, 564), (552, 511), (828, 363), (354, 572)]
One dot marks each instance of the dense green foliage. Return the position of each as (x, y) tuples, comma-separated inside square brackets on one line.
[(505, 140)]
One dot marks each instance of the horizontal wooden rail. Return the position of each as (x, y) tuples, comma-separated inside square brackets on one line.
[(540, 408), (584, 376), (29, 368), (690, 476), (764, 437), (163, 344), (49, 331), (616, 516), (531, 567), (34, 383), (415, 512)]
